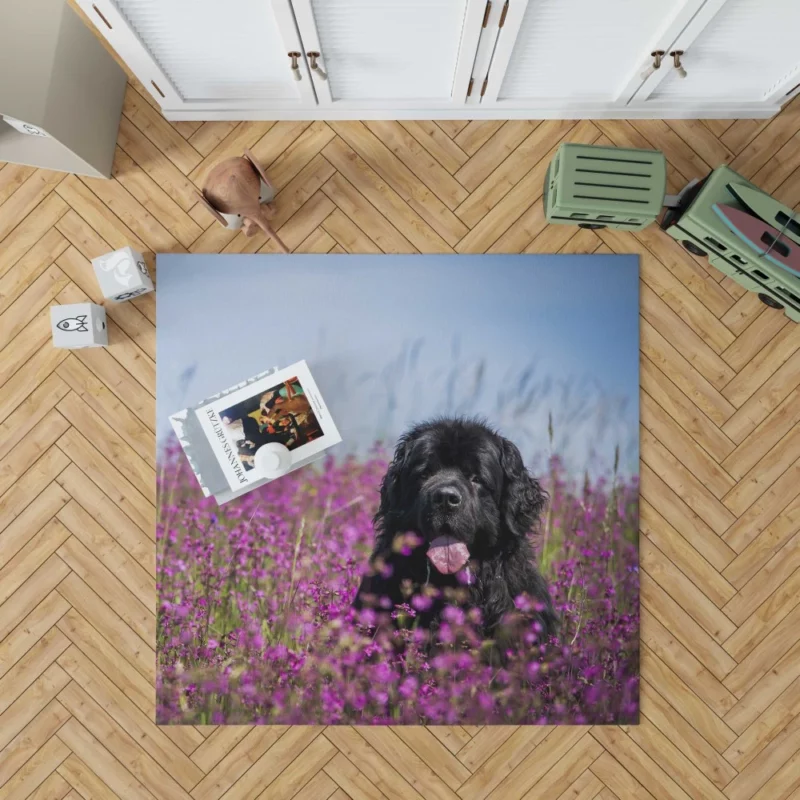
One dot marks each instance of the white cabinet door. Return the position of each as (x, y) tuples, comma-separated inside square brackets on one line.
[(206, 55), (738, 51), (390, 54), (578, 54)]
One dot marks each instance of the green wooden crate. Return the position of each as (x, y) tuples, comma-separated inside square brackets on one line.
[(598, 187), (697, 227)]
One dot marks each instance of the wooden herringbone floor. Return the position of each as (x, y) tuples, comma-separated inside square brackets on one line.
[(720, 468)]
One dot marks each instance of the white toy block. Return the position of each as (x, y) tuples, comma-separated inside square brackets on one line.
[(122, 274), (78, 325)]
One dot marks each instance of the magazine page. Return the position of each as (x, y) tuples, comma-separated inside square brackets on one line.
[(198, 447), (285, 407), (227, 495)]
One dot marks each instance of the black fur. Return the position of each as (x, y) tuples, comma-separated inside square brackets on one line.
[(498, 506)]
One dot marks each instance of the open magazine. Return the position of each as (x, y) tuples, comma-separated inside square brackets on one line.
[(222, 434)]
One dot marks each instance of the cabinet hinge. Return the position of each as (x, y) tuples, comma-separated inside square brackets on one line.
[(486, 13), (503, 15), (469, 88), (483, 88)]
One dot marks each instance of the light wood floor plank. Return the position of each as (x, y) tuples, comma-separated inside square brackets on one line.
[(103, 402), (237, 762), (764, 692), (493, 152), (119, 598), (503, 762), (159, 131), (36, 770), (683, 447), (104, 769), (39, 548), (130, 719), (670, 732), (501, 180), (33, 736), (352, 783), (764, 401), (30, 230), (476, 133), (618, 781), (109, 625), (144, 153), (687, 703), (104, 474), (209, 135), (106, 658), (679, 587), (31, 665), (566, 769), (684, 520), (12, 176), (35, 707), (32, 592), (18, 279), (119, 743), (683, 411), (419, 215), (682, 554), (300, 771), (371, 222), (426, 168), (146, 191), (640, 765), (691, 635), (437, 143)]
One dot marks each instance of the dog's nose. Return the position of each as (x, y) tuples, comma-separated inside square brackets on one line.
[(446, 497)]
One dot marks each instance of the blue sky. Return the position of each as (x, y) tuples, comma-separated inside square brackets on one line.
[(392, 340)]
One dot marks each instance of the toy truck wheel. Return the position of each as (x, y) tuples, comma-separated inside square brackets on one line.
[(693, 248), (592, 226), (769, 301)]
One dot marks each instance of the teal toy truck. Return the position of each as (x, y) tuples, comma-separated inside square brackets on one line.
[(695, 224), (609, 187)]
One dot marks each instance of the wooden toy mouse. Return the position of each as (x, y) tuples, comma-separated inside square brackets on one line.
[(237, 193)]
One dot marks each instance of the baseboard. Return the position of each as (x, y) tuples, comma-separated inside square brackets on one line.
[(695, 111)]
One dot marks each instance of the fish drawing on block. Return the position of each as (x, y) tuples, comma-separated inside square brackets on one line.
[(764, 239), (78, 324), (120, 265)]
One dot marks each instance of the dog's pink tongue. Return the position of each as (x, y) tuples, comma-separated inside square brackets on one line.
[(447, 554)]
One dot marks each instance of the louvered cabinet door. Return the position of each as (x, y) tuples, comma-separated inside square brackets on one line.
[(566, 55), (739, 51), (389, 54), (207, 55)]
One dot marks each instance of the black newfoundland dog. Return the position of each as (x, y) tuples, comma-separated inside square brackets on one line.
[(463, 490)]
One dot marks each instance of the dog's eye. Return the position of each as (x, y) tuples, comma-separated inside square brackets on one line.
[(475, 479)]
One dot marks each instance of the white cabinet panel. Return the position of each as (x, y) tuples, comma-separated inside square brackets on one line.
[(584, 50), (208, 49), (206, 55), (410, 59), (389, 52), (749, 51)]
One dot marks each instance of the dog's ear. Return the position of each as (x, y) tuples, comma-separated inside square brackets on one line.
[(524, 500), (391, 498)]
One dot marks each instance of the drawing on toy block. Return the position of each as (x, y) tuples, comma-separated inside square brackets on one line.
[(78, 325), (122, 274)]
